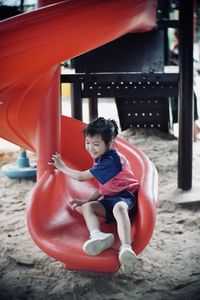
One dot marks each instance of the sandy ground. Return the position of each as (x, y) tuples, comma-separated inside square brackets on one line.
[(168, 268)]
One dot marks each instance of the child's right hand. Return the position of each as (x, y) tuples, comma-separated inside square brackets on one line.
[(57, 162)]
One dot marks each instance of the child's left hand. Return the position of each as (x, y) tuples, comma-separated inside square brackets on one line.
[(76, 203)]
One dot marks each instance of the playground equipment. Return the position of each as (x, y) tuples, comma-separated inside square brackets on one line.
[(32, 47), (131, 70), (60, 231), (21, 168)]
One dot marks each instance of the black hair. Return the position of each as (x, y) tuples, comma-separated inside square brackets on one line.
[(106, 128)]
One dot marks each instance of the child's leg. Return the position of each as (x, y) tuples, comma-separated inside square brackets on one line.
[(98, 241), (90, 212), (127, 256), (120, 212)]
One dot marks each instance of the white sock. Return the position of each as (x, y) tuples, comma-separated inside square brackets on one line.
[(125, 246), (94, 232)]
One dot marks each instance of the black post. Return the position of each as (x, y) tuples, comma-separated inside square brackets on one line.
[(93, 108), (76, 101), (22, 6), (185, 145)]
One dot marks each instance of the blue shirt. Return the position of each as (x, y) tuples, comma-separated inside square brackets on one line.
[(113, 172)]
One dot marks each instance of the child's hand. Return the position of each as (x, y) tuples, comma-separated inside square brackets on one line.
[(75, 203), (57, 162)]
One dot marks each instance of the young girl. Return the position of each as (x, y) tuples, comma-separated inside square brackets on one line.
[(116, 194)]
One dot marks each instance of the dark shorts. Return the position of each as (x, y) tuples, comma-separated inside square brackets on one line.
[(109, 202)]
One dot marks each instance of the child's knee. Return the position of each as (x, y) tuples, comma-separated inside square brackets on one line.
[(86, 206), (120, 208)]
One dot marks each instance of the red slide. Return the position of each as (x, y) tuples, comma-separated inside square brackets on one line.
[(32, 45)]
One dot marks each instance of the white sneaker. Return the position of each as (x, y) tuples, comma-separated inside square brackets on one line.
[(127, 258), (98, 243)]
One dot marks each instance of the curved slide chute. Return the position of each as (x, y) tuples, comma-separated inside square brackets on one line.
[(60, 231), (31, 47)]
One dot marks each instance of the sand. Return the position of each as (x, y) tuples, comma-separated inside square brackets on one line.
[(168, 268)]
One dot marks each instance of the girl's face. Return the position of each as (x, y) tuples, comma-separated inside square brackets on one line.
[(95, 146)]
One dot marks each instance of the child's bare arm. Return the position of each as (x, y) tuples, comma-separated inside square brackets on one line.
[(61, 166)]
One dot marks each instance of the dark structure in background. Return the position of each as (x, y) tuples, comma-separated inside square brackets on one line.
[(131, 69), (141, 100), (9, 11)]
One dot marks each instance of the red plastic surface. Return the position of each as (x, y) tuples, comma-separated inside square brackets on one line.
[(60, 231), (31, 47)]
